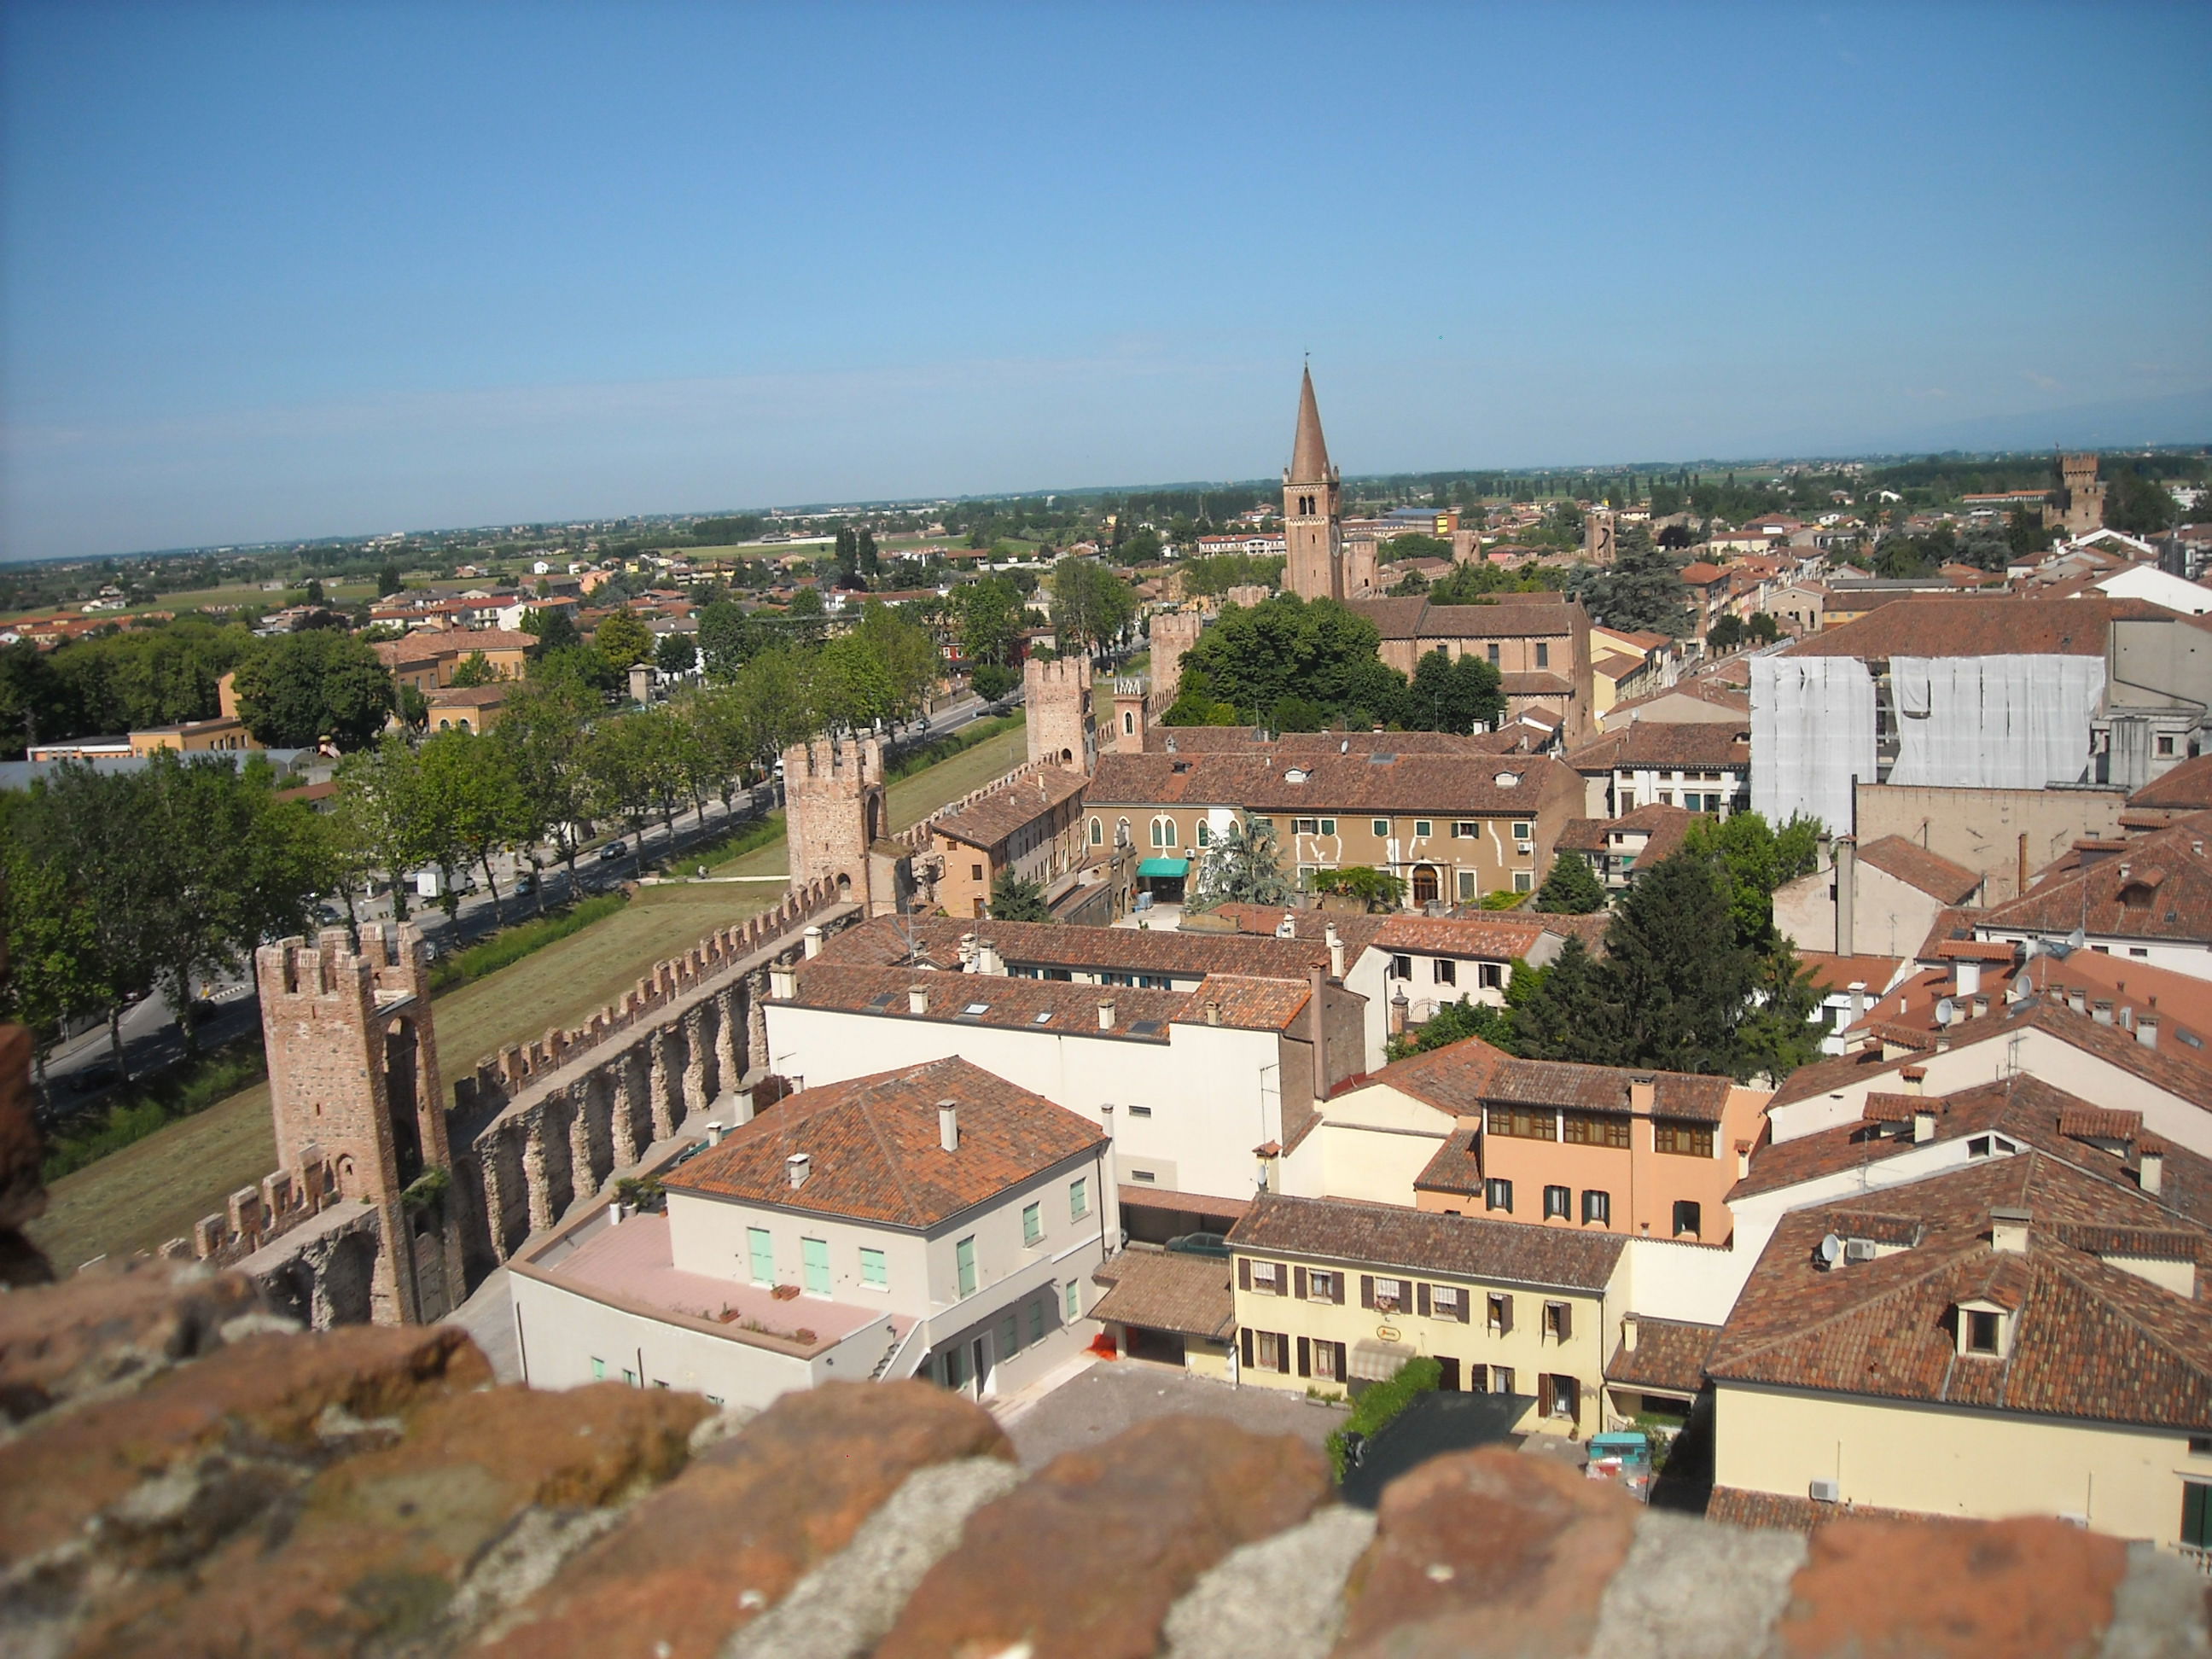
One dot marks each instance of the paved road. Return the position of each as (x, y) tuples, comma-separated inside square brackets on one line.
[(81, 1070)]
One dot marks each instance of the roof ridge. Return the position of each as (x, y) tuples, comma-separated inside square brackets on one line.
[(892, 1161)]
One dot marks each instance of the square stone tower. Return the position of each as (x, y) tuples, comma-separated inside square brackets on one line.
[(834, 811), (353, 1073), (1060, 730), (1313, 509), (2083, 494), (1173, 633)]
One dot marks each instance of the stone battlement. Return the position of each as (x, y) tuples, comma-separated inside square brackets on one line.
[(261, 1498)]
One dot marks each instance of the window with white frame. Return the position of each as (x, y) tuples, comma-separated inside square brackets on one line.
[(1079, 1198), (1320, 1286), (1032, 1223)]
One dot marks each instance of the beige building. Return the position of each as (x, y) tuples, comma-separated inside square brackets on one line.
[(1879, 898), (1330, 1293), (1032, 826), (1453, 827), (1539, 643), (2024, 1335)]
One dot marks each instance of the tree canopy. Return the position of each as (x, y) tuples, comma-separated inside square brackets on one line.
[(299, 689)]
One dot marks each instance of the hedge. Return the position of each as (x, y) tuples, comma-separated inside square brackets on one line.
[(1380, 1404)]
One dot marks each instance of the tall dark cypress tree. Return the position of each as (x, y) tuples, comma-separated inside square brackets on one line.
[(1569, 1012), (1674, 966)]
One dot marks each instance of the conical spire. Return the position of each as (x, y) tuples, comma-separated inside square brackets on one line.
[(1310, 454)]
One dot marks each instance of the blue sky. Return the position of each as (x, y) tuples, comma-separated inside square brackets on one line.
[(300, 270)]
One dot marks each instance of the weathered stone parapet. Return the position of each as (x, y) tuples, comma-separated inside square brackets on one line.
[(280, 1483)]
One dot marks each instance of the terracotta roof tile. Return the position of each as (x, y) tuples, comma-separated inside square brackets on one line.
[(1449, 936), (1165, 1291), (1156, 950), (1666, 745), (1945, 882), (1669, 1355), (2160, 888), (874, 1149), (1409, 782), (998, 815), (1938, 625), (1514, 617), (1389, 1236), (1463, 1077)]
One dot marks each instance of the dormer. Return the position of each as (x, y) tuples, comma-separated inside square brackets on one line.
[(1983, 1328)]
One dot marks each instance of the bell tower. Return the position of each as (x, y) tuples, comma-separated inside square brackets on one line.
[(1313, 509)]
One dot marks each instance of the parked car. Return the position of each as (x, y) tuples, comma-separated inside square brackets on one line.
[(1214, 1244), (613, 850)]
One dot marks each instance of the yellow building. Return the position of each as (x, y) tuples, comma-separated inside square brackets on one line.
[(1330, 1293), (2023, 1334)]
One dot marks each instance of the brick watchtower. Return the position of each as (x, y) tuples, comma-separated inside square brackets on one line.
[(353, 1072), (1313, 509), (1173, 633), (834, 811), (1058, 695)]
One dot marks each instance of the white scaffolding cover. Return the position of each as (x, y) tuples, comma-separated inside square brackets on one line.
[(2011, 722), (1812, 732)]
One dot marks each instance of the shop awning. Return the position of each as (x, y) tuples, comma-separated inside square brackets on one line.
[(1378, 1362), (1173, 869)]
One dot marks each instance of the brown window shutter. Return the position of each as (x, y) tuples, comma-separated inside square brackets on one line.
[(1305, 1357), (1367, 1289), (1298, 1283), (1283, 1353), (1505, 1316), (1336, 1288), (1244, 1339), (1421, 1301), (1340, 1372), (1566, 1321), (1466, 1306), (1243, 1272)]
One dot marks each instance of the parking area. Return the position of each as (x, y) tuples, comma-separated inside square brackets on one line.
[(1111, 1397)]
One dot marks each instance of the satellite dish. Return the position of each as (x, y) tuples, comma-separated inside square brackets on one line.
[(1946, 1011), (1830, 1250)]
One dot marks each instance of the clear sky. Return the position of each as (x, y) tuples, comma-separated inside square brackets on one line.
[(299, 270)]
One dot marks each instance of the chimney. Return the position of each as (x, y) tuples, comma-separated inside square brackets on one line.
[(1628, 1334), (1105, 1013), (1642, 1095), (2146, 1030), (2150, 1170), (1923, 1124), (1913, 1077), (743, 1114), (1970, 978), (782, 982), (988, 959), (2102, 1011), (1335, 951), (948, 1125), (917, 999), (2008, 1230), (2075, 1000), (1317, 1027), (813, 936), (713, 1133), (796, 1169), (1398, 1008), (1212, 1012), (2019, 880), (1847, 878)]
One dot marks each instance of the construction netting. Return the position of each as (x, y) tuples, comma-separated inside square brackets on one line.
[(1812, 733), (2013, 722)]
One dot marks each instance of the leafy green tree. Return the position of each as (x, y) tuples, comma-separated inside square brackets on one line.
[(848, 558), (728, 638), (302, 688), (1778, 1035), (1571, 888), (1674, 966), (554, 628), (1244, 867), (991, 682), (869, 559), (1454, 1022), (1644, 591), (990, 614), (388, 582), (1013, 899), (1323, 652), (676, 653), (1726, 634), (541, 734), (1415, 545), (2026, 534), (53, 948), (1756, 860), (580, 666), (1481, 583), (1453, 696), (1091, 604), (1567, 1011), (623, 639), (2138, 506), (472, 790), (1376, 889), (475, 669)]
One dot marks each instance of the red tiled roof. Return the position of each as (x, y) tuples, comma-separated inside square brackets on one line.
[(2162, 889), (1441, 784), (1666, 745), (2091, 1340), (1945, 882), (875, 1153), (1463, 1077), (1166, 1291), (1939, 625), (1391, 1237), (1670, 1356), (998, 816), (1447, 936), (2187, 787), (883, 942), (1515, 616)]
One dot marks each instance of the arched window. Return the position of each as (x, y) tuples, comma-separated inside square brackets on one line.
[(1163, 831), (1204, 833), (1097, 832)]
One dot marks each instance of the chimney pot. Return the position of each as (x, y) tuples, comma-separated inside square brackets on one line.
[(2008, 1230), (1213, 1014), (1923, 1123), (796, 1168), (948, 1125), (2102, 1013), (2150, 1170), (917, 999), (1628, 1334), (782, 982), (743, 1113), (813, 936), (2146, 1031), (1105, 1013)]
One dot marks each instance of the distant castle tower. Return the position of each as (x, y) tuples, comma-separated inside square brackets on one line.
[(1173, 633), (1313, 509), (1060, 731), (835, 825), (353, 1077), (2081, 497)]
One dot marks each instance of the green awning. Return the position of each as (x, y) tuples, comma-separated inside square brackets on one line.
[(1174, 869)]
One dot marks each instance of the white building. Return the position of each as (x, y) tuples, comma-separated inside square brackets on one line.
[(935, 1220)]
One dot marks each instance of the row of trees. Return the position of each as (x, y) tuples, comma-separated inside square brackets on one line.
[(1302, 667)]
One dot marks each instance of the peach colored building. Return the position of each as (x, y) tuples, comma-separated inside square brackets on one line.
[(1471, 1130)]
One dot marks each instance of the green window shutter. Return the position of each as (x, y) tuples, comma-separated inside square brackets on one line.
[(875, 1270), (815, 1254), (1032, 1223), (963, 1264), (762, 1249)]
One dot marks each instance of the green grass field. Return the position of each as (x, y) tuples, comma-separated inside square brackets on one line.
[(155, 1189)]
